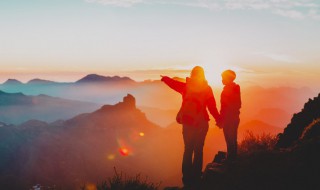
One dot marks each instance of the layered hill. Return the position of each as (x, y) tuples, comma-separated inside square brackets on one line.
[(99, 89), (94, 78), (273, 106), (84, 149), (17, 108)]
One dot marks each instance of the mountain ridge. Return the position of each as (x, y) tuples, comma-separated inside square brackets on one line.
[(38, 81), (95, 78), (18, 108), (89, 78), (96, 139), (12, 82)]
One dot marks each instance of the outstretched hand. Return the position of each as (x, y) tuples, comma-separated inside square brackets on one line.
[(163, 77)]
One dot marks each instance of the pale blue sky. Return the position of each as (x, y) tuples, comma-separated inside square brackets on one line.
[(266, 37)]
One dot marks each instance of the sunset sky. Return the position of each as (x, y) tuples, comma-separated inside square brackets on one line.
[(267, 42)]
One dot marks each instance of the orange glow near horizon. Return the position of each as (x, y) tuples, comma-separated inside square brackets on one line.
[(246, 77)]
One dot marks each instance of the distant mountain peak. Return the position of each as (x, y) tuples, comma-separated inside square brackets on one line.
[(40, 81), (12, 82), (91, 78)]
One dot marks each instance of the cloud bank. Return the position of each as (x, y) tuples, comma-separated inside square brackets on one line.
[(295, 9), (118, 3)]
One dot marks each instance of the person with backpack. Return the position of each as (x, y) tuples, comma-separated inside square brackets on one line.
[(230, 111), (197, 96)]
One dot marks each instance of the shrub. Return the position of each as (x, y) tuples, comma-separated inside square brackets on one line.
[(121, 181), (254, 143)]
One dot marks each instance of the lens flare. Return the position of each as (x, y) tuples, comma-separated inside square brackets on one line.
[(141, 134), (124, 151)]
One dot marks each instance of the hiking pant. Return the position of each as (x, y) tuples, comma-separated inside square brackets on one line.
[(193, 137), (230, 131)]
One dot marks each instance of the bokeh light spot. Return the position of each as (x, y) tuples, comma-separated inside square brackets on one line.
[(124, 151), (111, 157)]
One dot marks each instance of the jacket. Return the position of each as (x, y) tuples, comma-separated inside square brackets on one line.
[(209, 100), (230, 101)]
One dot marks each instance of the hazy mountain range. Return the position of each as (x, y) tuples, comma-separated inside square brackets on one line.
[(85, 148), (95, 88), (16, 108), (82, 149), (273, 106)]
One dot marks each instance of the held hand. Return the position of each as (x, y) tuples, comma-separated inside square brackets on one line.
[(219, 123)]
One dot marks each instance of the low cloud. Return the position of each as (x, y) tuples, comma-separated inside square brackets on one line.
[(278, 57), (290, 14), (298, 9)]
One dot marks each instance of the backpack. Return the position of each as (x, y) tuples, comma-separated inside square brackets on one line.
[(192, 108)]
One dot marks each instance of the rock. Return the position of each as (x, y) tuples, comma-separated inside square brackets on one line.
[(220, 157), (129, 101)]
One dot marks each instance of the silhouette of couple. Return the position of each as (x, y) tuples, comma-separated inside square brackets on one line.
[(197, 97)]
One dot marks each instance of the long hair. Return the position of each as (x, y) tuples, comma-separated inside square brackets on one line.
[(197, 80), (197, 73)]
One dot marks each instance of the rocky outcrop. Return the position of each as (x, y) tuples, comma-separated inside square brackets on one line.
[(299, 122), (129, 101), (295, 166)]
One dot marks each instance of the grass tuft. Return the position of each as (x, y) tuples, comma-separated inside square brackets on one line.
[(256, 143), (120, 181)]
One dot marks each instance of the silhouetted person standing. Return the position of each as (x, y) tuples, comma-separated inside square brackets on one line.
[(197, 97), (230, 111)]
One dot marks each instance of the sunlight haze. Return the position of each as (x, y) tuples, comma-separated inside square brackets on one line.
[(268, 42)]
